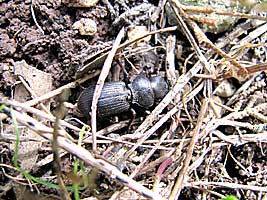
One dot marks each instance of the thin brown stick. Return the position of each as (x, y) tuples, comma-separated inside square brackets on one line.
[(100, 84), (209, 10), (257, 68), (60, 89), (56, 159), (33, 94), (183, 173), (228, 185)]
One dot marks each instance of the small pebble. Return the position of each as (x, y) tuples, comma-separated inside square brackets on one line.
[(80, 3), (85, 26), (225, 89)]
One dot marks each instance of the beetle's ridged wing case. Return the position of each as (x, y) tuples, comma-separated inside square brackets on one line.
[(114, 99)]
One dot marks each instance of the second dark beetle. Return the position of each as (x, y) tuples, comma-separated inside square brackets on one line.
[(117, 97)]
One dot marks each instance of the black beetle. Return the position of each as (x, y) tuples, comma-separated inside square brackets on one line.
[(117, 97)]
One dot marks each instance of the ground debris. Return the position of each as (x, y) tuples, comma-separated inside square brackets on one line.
[(204, 139)]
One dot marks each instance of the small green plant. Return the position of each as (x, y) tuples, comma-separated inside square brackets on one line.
[(27, 175), (75, 188), (230, 197), (76, 164)]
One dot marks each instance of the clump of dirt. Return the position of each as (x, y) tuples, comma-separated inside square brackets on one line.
[(55, 48)]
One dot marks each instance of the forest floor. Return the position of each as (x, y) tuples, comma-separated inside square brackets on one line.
[(204, 139)]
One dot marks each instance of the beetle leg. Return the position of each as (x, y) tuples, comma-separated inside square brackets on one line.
[(132, 117)]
